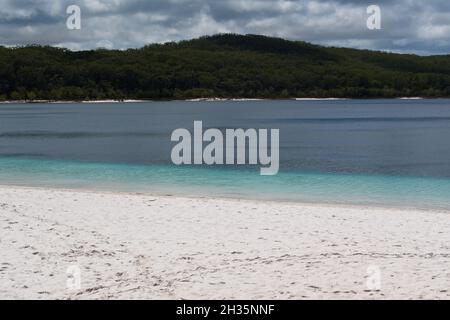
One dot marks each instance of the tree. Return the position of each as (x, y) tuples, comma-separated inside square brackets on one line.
[(226, 65)]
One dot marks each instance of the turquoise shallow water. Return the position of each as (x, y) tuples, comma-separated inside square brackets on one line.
[(229, 182)]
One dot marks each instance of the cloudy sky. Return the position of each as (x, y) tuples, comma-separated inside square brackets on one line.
[(414, 26)]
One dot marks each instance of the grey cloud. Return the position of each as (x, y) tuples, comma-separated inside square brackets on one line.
[(414, 26)]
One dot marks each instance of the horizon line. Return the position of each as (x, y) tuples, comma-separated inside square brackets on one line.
[(177, 42)]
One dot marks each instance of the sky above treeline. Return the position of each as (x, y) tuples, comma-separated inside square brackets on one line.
[(407, 26)]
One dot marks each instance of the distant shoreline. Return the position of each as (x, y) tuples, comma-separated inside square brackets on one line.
[(205, 100), (220, 67), (72, 101)]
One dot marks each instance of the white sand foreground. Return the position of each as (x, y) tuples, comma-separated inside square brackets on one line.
[(146, 247)]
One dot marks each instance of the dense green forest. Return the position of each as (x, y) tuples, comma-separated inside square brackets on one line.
[(224, 66)]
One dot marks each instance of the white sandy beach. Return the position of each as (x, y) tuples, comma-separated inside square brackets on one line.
[(146, 247)]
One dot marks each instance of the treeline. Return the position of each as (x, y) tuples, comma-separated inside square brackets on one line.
[(224, 66)]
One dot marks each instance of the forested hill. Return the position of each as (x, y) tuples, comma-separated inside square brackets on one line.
[(225, 66)]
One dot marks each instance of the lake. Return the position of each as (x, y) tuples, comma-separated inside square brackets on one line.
[(378, 152)]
